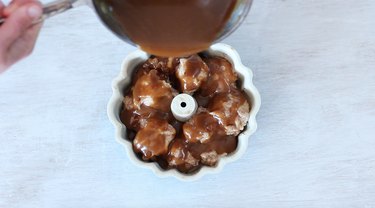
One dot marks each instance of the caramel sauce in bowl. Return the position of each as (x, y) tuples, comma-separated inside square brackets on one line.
[(172, 28), (123, 81)]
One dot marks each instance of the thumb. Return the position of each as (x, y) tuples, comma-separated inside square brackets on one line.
[(1, 8), (1, 5), (18, 22)]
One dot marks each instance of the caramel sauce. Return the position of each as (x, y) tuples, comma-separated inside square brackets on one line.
[(169, 28), (210, 134)]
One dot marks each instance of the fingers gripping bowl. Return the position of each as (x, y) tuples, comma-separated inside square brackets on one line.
[(124, 80)]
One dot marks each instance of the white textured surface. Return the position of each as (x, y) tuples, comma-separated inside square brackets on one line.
[(314, 65)]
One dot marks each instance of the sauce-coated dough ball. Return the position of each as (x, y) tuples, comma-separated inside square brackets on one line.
[(150, 90), (154, 138), (231, 109), (191, 73)]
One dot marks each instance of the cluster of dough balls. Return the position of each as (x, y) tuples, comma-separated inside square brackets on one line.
[(211, 133)]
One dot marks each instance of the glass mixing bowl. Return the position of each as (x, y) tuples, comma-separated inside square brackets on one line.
[(239, 13)]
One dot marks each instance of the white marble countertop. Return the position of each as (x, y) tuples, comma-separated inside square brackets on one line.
[(314, 65)]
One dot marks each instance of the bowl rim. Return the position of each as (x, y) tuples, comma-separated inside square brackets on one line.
[(114, 105)]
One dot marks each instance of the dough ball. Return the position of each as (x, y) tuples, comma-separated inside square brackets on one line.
[(150, 90), (154, 138), (191, 73), (221, 76), (231, 109)]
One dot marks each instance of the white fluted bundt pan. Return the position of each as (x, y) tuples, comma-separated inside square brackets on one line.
[(122, 81)]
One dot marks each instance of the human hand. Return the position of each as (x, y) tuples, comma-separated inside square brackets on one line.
[(18, 34)]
